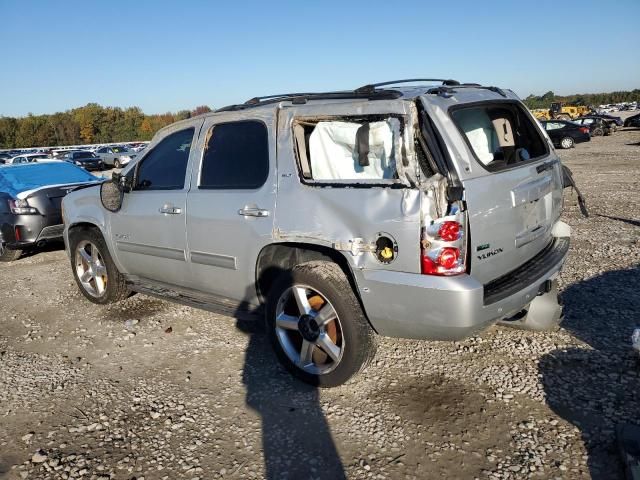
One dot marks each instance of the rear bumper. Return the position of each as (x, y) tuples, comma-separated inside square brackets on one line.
[(409, 305), (31, 229)]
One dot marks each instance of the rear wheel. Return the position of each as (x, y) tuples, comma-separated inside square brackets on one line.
[(8, 255), (93, 269), (316, 325), (566, 142), (597, 132)]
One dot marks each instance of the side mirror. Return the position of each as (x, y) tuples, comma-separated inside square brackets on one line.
[(111, 195), (112, 192), (122, 182)]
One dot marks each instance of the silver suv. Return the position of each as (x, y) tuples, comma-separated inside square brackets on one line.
[(428, 211)]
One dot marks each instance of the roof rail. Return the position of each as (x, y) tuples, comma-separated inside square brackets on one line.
[(372, 86), (302, 98), (447, 91)]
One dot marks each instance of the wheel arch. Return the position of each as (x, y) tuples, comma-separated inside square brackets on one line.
[(276, 258)]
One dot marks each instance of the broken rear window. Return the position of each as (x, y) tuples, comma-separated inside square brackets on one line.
[(501, 135), (348, 150)]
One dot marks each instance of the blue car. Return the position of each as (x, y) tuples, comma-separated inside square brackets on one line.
[(30, 199)]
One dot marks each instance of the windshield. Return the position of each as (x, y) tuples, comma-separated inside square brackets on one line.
[(119, 149), (83, 155)]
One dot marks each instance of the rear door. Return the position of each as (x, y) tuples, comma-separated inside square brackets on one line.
[(231, 203), (512, 183)]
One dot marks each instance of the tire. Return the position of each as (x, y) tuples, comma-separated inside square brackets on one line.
[(7, 254), (597, 132), (105, 284), (325, 288), (566, 142), (116, 163)]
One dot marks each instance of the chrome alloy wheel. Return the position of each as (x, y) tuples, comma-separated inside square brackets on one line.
[(91, 269), (309, 330)]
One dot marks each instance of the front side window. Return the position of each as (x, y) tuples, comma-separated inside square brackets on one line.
[(500, 135), (348, 150), (236, 156), (165, 167)]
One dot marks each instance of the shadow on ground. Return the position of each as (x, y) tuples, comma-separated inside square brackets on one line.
[(296, 439), (598, 387)]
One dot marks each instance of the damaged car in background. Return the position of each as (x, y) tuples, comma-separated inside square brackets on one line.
[(30, 199), (424, 209)]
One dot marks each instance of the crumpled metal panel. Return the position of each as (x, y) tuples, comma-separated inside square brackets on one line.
[(339, 216)]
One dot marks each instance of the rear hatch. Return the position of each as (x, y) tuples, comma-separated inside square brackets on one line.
[(512, 183)]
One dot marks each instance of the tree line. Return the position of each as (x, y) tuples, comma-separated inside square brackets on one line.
[(587, 99), (97, 124), (89, 124)]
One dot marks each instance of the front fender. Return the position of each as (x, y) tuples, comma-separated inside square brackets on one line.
[(83, 208)]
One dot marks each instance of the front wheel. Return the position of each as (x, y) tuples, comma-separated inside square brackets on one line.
[(597, 132), (566, 142), (8, 255), (93, 269), (316, 325)]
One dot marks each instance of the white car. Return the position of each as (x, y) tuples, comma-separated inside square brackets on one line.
[(28, 158)]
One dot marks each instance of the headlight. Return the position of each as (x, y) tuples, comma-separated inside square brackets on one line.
[(125, 157), (21, 207), (78, 163)]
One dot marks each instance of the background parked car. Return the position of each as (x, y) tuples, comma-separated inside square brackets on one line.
[(116, 156), (611, 118), (633, 121), (27, 158), (566, 134), (597, 126), (30, 199), (4, 157), (85, 159)]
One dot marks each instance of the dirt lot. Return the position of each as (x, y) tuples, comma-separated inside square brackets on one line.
[(148, 389)]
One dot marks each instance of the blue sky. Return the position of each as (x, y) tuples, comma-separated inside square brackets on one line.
[(166, 56)]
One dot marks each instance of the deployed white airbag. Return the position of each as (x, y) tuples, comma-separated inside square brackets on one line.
[(480, 132), (334, 154)]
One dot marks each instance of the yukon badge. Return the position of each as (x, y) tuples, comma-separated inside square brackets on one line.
[(492, 253)]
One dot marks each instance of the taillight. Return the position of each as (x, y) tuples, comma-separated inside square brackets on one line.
[(21, 207), (449, 231), (443, 247), (584, 129)]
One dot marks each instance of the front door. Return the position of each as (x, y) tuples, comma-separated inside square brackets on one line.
[(149, 231), (231, 204)]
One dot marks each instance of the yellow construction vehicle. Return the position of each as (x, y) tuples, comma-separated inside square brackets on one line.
[(561, 111)]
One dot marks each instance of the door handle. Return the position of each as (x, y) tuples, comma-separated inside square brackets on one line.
[(253, 212), (170, 210)]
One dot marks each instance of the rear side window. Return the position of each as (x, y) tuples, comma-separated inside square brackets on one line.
[(165, 167), (500, 135), (236, 156), (349, 150)]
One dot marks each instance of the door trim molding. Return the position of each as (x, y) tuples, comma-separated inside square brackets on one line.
[(214, 260), (151, 250)]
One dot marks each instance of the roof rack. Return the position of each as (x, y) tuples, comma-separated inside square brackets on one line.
[(447, 91), (372, 86), (302, 98)]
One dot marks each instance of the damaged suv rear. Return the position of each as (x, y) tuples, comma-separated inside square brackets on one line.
[(428, 211)]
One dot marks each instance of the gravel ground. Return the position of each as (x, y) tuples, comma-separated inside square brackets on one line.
[(148, 389)]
